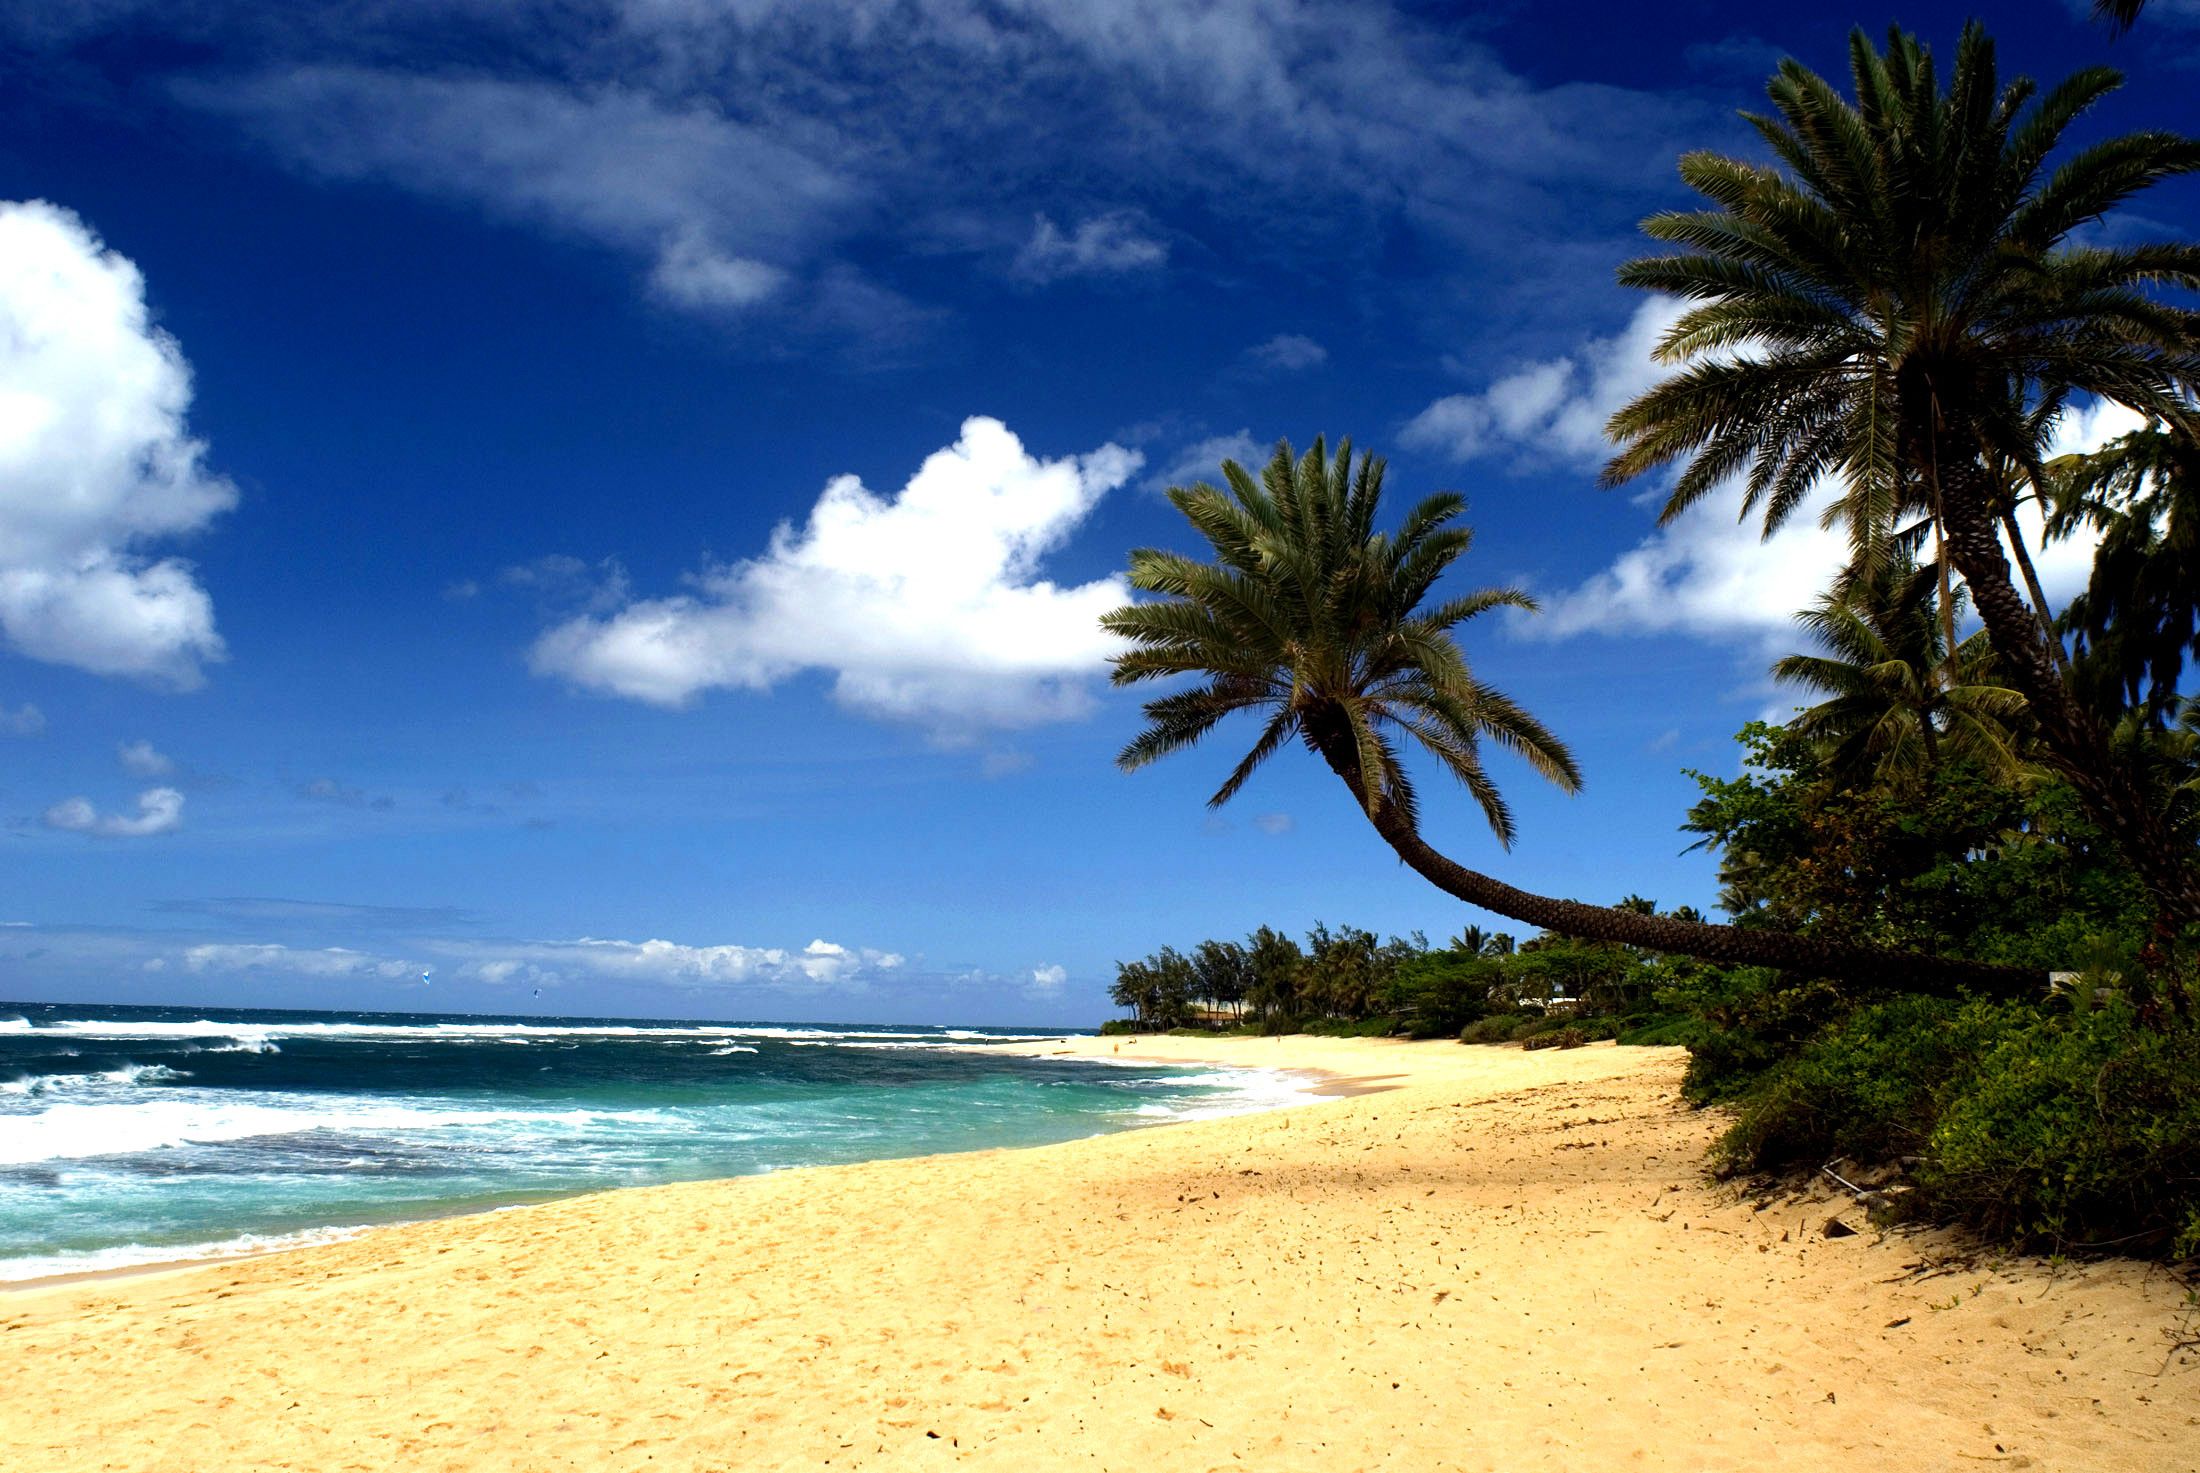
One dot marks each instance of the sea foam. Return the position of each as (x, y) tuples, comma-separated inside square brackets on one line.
[(70, 1131), (137, 1255)]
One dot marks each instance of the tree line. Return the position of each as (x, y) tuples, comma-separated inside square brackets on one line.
[(1346, 975), (1962, 886)]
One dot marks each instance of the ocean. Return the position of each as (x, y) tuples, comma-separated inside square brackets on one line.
[(134, 1135)]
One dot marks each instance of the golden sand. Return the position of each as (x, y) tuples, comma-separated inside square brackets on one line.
[(1497, 1261)]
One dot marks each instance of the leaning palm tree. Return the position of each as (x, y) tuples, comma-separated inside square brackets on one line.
[(1323, 626), (1895, 700), (1894, 306)]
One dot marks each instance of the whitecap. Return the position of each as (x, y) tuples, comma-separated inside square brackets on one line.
[(128, 1074), (72, 1131)]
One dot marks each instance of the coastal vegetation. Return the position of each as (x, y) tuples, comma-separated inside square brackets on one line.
[(1961, 884)]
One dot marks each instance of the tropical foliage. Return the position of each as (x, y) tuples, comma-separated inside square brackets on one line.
[(1346, 979), (2138, 620), (1327, 629), (1897, 305), (1883, 325), (1897, 698)]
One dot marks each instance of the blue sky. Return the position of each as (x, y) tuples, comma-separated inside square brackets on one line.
[(604, 503)]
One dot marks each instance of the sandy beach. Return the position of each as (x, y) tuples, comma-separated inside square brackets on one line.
[(1459, 1258)]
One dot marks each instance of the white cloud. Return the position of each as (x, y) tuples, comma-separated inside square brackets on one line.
[(691, 272), (1295, 127), (1046, 981), (25, 720), (95, 462), (927, 608), (715, 205), (1553, 408), (1103, 245), (1708, 574), (141, 759), (327, 961), (819, 965), (1202, 460), (160, 811), (1274, 824), (1287, 352)]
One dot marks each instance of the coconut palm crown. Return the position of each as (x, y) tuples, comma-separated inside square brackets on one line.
[(1313, 620), (1896, 304), (1893, 701)]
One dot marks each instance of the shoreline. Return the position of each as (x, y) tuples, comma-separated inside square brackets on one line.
[(1500, 1261), (1318, 1083)]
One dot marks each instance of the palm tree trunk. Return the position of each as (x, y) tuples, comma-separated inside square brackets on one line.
[(1728, 944), (2077, 746), (1947, 601), (2039, 594)]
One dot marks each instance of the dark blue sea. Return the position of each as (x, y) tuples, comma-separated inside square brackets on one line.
[(131, 1134)]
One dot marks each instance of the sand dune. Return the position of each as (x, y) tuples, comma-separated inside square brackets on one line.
[(1498, 1261)]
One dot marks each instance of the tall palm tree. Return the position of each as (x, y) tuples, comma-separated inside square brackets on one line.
[(2139, 617), (1312, 619), (1894, 698), (1894, 306)]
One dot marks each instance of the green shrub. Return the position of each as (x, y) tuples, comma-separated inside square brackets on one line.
[(1531, 1024), (1658, 1032), (1556, 1038), (2036, 1126), (1120, 1025), (1746, 1021), (2074, 1131), (1439, 992), (1488, 1030), (1866, 1087)]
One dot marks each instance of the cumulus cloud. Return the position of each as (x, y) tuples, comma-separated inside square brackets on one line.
[(1287, 352), (1103, 245), (821, 965), (1556, 407), (141, 759), (927, 607), (1707, 573), (1046, 981), (160, 811), (25, 720), (95, 462), (326, 961)]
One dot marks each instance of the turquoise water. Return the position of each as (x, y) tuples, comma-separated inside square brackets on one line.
[(139, 1134)]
